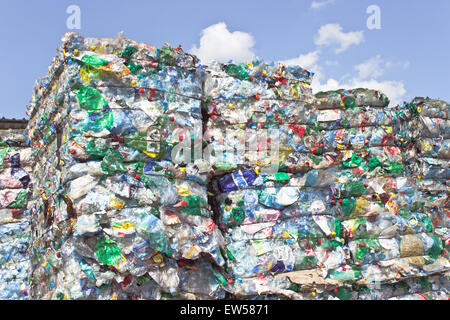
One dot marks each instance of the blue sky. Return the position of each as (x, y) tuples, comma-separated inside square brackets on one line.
[(407, 57)]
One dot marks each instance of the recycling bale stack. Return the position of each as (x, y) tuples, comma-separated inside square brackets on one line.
[(244, 103), (14, 225), (421, 271), (428, 126), (432, 171), (431, 132), (281, 220), (115, 213), (387, 225), (354, 129), (389, 235), (332, 196), (330, 220)]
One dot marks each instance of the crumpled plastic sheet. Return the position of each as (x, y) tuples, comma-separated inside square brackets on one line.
[(352, 213)]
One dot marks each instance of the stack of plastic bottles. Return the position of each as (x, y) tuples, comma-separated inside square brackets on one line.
[(433, 156), (116, 213), (388, 224), (272, 218), (335, 215), (392, 239), (247, 104), (419, 228), (14, 224), (431, 131), (155, 177), (425, 133)]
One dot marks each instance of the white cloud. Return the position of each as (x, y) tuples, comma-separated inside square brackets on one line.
[(332, 34), (218, 43), (373, 67), (307, 61), (321, 4), (332, 63), (376, 66), (401, 64)]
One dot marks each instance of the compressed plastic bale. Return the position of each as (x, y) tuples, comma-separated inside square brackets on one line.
[(126, 59), (295, 140), (121, 112), (7, 152), (434, 169), (281, 239), (430, 128), (155, 142), (368, 251), (431, 116), (15, 180), (14, 278), (292, 155), (429, 107), (386, 225), (247, 190), (272, 111), (431, 148), (351, 98), (237, 116), (81, 186), (236, 91), (397, 289), (395, 270), (157, 283), (257, 79), (14, 251)]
